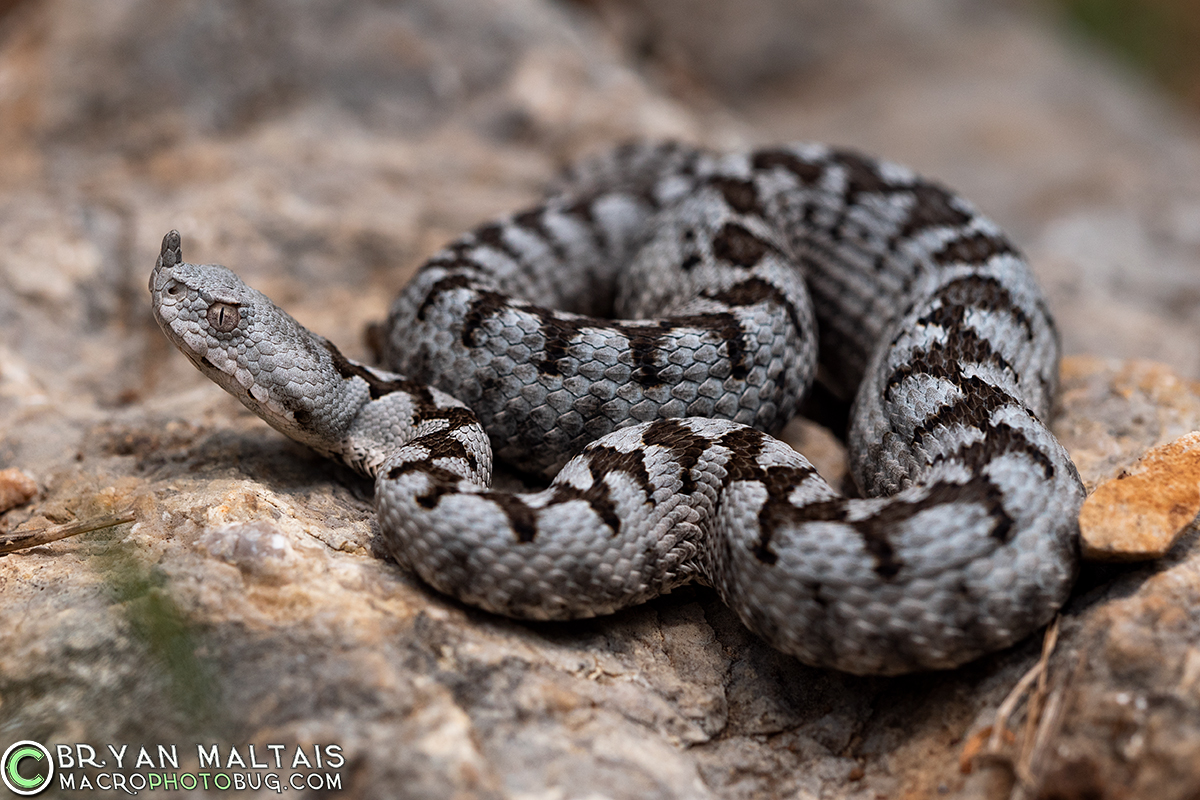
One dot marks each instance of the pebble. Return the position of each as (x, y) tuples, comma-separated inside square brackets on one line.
[(16, 488), (1142, 512)]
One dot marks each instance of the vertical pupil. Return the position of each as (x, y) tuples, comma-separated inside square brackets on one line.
[(223, 317)]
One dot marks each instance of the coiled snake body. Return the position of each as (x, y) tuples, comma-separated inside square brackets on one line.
[(965, 539)]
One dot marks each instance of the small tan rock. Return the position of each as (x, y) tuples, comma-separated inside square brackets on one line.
[(1139, 514), (16, 488)]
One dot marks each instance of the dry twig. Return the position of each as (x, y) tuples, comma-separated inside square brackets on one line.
[(23, 540), (1041, 715)]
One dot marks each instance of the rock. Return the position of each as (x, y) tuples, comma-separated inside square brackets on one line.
[(16, 489), (323, 149), (1141, 513), (1127, 688), (1114, 411)]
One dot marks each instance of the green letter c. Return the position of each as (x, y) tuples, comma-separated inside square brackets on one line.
[(17, 757)]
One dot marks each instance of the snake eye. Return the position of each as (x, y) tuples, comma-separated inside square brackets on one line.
[(224, 317)]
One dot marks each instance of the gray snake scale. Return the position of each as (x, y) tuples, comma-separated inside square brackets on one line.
[(688, 291)]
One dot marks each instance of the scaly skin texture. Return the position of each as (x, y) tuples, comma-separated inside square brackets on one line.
[(928, 317)]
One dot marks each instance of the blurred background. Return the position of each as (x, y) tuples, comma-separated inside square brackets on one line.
[(1159, 38), (345, 141)]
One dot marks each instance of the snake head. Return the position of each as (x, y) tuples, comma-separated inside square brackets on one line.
[(245, 343)]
